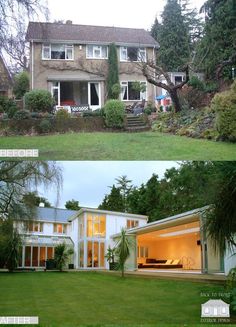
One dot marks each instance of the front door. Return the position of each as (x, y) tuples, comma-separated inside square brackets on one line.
[(94, 95)]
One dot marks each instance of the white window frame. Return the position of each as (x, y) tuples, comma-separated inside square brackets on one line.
[(49, 48), (143, 95), (36, 225), (55, 228), (141, 56), (99, 48)]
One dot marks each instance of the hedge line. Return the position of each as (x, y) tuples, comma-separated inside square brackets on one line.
[(52, 125)]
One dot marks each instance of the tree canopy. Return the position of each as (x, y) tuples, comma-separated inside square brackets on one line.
[(72, 205), (17, 178), (218, 44), (173, 36)]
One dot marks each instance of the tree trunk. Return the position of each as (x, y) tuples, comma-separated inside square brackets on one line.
[(175, 99)]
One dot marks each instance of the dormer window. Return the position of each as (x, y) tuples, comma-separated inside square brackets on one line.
[(132, 54), (58, 52), (97, 51)]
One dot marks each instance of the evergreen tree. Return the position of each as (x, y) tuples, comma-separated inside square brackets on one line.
[(113, 73), (113, 201), (174, 37), (218, 43), (155, 30), (125, 187), (32, 199), (72, 205)]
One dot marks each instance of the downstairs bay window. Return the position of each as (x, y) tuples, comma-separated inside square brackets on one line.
[(129, 91)]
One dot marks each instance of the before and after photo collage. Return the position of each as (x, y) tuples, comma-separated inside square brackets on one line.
[(117, 163)]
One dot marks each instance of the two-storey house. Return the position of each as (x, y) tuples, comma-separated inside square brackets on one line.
[(87, 231), (71, 61), (177, 243)]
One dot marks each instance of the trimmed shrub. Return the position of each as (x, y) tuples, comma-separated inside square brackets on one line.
[(62, 114), (22, 114), (39, 100), (224, 104), (8, 106), (115, 114), (45, 126)]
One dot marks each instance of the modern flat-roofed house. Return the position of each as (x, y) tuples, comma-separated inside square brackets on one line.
[(6, 82), (177, 243), (71, 61)]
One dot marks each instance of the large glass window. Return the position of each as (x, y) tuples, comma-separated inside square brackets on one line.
[(81, 254), (27, 256), (97, 51), (129, 91), (35, 256), (42, 256), (58, 51), (96, 226), (95, 254), (50, 253), (132, 54), (81, 229)]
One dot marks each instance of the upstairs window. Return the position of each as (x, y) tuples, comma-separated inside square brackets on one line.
[(131, 223), (96, 226), (35, 227), (58, 51), (59, 228), (132, 54), (97, 52)]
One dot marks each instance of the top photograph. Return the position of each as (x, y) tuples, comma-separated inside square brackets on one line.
[(93, 82)]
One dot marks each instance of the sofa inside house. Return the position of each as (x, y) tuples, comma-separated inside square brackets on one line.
[(161, 264)]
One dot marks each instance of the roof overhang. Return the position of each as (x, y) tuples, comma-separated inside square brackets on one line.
[(82, 42), (183, 218)]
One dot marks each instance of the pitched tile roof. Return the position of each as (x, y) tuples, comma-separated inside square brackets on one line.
[(54, 214), (88, 34)]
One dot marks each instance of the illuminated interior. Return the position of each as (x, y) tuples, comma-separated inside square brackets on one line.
[(36, 256), (178, 243), (96, 226)]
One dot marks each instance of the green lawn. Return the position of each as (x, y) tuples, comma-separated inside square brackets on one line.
[(121, 146), (89, 298)]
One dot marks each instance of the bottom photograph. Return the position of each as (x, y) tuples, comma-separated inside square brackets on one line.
[(117, 243)]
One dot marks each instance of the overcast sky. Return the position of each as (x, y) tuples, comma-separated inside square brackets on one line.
[(88, 181), (122, 13)]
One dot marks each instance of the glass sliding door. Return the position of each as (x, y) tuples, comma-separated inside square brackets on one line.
[(42, 256), (102, 256), (35, 257), (95, 254), (94, 95), (27, 256)]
